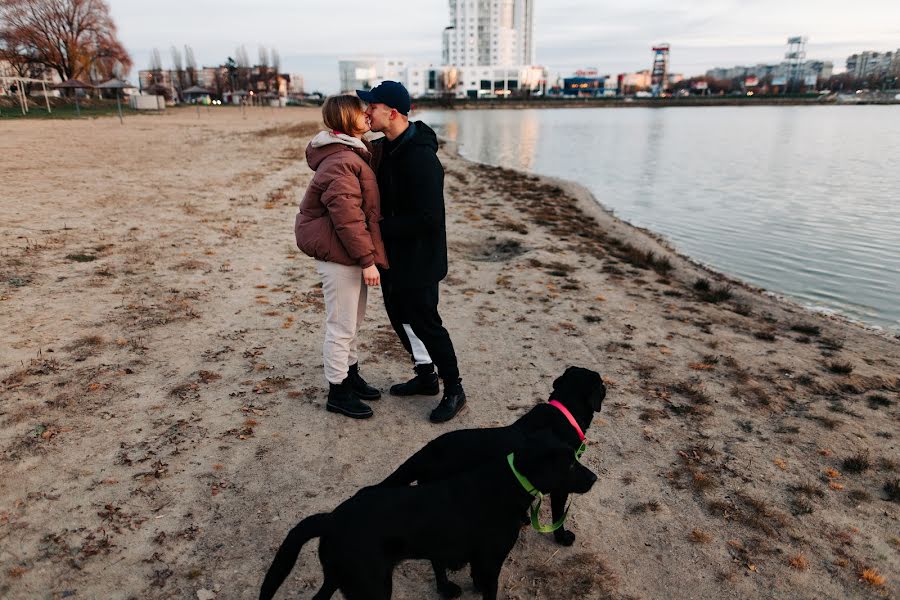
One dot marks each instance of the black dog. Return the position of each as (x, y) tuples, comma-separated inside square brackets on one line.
[(473, 517), (580, 391)]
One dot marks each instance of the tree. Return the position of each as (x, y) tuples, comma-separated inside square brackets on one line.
[(17, 55), (75, 38), (178, 67), (156, 69), (231, 67), (191, 66)]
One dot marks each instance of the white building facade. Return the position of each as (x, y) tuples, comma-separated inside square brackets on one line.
[(489, 32), (809, 71), (365, 73), (870, 63), (488, 51)]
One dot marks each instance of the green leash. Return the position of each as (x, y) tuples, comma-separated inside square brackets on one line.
[(580, 452), (536, 507)]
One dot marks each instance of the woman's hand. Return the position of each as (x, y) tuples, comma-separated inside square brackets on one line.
[(371, 275)]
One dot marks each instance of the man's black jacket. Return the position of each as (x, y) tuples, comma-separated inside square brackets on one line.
[(411, 182)]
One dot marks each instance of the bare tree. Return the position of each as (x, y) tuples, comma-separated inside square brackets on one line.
[(75, 38), (263, 57), (243, 68), (178, 68), (276, 61), (156, 72), (190, 64), (155, 60), (177, 63), (240, 55)]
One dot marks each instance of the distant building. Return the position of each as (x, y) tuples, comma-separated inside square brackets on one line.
[(218, 80), (634, 82), (811, 70), (585, 83), (488, 51), (489, 32), (366, 73), (873, 64), (296, 85)]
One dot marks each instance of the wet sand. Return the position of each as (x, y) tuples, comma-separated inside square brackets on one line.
[(162, 421)]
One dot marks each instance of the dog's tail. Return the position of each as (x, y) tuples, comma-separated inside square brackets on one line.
[(310, 527)]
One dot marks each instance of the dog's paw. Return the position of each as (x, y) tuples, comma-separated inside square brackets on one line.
[(449, 590), (564, 537)]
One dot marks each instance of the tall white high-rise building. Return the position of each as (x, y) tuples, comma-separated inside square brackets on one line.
[(490, 33)]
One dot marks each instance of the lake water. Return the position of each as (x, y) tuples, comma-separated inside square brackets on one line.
[(803, 201)]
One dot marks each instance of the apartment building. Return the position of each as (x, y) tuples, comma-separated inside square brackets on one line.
[(873, 64)]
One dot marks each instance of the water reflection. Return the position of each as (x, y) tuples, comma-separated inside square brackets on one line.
[(800, 200), (654, 134)]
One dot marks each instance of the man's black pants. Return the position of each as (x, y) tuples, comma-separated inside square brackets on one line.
[(418, 307)]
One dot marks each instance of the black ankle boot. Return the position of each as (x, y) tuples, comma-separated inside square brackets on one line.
[(425, 383), (341, 400), (453, 401), (361, 389)]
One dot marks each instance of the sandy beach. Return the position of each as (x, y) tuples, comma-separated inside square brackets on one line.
[(162, 421)]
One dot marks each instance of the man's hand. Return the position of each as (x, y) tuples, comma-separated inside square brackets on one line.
[(371, 275)]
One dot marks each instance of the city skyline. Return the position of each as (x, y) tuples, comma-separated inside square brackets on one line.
[(569, 34)]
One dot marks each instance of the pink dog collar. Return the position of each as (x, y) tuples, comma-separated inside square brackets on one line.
[(569, 416)]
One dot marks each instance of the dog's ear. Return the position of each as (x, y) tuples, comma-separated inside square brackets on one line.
[(560, 381), (578, 384)]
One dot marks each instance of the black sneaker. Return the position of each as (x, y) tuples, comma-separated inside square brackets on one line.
[(454, 400), (341, 400), (425, 383), (359, 387)]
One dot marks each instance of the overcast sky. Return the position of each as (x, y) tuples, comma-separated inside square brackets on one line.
[(613, 36)]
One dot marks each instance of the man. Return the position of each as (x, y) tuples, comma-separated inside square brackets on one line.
[(411, 182)]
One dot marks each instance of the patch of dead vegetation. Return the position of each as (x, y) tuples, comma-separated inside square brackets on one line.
[(582, 575), (750, 511), (299, 130)]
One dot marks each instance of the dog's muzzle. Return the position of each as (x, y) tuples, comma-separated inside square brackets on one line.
[(597, 397)]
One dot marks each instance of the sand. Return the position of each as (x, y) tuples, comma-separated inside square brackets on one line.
[(162, 421)]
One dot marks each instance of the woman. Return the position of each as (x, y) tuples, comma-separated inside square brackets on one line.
[(338, 226)]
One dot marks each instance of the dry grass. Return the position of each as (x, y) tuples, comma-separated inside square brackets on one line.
[(892, 489), (698, 536), (751, 512), (858, 463), (798, 562), (877, 401), (693, 390), (766, 336), (583, 575), (840, 368), (300, 130), (872, 577), (713, 294), (807, 329), (87, 341)]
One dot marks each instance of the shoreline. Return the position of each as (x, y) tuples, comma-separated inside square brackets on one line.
[(588, 200), (689, 102), (163, 423)]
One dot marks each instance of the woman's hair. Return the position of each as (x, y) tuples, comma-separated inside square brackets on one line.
[(340, 112)]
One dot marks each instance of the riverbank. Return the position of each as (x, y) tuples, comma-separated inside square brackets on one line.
[(163, 422)]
